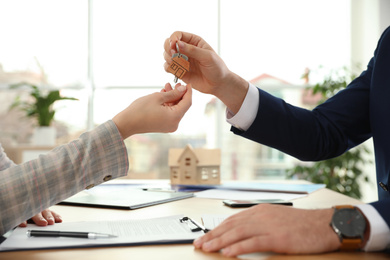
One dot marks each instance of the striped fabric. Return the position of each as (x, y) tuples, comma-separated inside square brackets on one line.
[(29, 188)]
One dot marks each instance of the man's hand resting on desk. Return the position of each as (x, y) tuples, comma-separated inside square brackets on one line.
[(46, 217), (275, 228)]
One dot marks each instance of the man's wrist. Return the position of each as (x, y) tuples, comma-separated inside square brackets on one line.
[(233, 92), (331, 237)]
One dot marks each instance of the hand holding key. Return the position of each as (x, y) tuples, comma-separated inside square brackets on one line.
[(180, 64), (208, 73)]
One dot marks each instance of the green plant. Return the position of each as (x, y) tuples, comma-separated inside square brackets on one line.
[(42, 105), (340, 173)]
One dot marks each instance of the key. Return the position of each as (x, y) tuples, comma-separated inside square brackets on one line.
[(180, 64)]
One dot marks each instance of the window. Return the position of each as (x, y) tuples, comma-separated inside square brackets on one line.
[(122, 60), (204, 174), (188, 161)]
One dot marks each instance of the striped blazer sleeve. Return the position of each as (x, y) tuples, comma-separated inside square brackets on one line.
[(29, 188)]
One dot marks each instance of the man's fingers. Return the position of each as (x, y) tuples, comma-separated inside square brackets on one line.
[(250, 245), (189, 44), (189, 38), (168, 58), (226, 226), (194, 52), (232, 235)]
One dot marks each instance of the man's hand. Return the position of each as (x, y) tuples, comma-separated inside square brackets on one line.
[(208, 72), (273, 228)]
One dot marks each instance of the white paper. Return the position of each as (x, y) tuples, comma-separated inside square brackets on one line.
[(210, 221), (245, 195), (158, 230)]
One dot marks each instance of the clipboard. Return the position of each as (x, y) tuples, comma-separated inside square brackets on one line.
[(131, 232), (122, 197)]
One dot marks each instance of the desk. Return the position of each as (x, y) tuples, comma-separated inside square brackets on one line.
[(193, 207)]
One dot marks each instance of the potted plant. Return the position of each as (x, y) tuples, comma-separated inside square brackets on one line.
[(40, 107), (343, 172)]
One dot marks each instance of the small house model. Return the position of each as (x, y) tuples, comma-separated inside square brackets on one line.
[(195, 166)]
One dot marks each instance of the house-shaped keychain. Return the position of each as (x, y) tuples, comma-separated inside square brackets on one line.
[(179, 66), (195, 166)]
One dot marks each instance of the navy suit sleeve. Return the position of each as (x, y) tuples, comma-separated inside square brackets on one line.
[(382, 206), (327, 131), (342, 122)]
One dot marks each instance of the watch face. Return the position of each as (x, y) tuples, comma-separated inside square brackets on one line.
[(350, 222)]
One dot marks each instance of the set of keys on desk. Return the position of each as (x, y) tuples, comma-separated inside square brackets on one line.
[(180, 64)]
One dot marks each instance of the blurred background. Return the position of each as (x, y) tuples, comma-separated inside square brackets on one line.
[(107, 53)]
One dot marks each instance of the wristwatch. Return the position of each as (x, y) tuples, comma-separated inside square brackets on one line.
[(350, 225)]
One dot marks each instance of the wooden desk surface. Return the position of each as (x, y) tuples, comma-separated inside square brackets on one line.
[(193, 207)]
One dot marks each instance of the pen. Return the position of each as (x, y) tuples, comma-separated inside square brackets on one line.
[(158, 189), (49, 233)]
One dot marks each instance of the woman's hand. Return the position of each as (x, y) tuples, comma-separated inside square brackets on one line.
[(158, 112), (46, 217)]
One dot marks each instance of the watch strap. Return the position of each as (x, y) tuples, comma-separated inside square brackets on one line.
[(344, 207), (349, 244)]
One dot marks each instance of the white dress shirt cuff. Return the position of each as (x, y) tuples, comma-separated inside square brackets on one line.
[(379, 231), (248, 110)]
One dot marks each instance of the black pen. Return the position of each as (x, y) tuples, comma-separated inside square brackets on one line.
[(50, 233), (158, 189)]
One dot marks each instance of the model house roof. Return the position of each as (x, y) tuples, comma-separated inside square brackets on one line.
[(204, 157)]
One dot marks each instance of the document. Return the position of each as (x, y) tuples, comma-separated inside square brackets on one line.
[(210, 221), (165, 230), (255, 186), (123, 197), (246, 195)]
